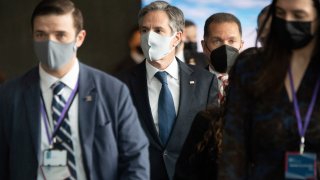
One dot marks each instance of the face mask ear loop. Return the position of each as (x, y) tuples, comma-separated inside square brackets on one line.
[(75, 48), (240, 45), (172, 37)]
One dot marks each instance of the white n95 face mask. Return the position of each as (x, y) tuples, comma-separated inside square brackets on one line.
[(54, 55), (156, 46)]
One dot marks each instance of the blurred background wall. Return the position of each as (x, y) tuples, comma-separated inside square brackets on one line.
[(108, 23)]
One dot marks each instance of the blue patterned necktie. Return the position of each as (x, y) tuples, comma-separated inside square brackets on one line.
[(166, 110), (63, 134)]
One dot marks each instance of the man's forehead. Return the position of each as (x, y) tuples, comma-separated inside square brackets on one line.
[(156, 17), (224, 26), (225, 29), (52, 21)]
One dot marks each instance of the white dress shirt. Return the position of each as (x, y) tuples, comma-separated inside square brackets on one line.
[(70, 80), (180, 55), (154, 87)]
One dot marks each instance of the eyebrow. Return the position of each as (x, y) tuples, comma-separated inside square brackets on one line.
[(59, 32), (301, 12), (296, 11), (218, 38), (156, 27)]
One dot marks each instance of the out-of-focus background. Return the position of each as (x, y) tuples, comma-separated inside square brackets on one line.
[(108, 24)]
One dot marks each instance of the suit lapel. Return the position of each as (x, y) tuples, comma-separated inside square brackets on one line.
[(139, 86), (87, 108), (187, 87), (31, 96)]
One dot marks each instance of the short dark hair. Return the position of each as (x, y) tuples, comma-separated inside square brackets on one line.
[(58, 7), (221, 18), (189, 23)]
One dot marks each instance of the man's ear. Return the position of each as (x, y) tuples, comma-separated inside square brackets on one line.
[(241, 44), (80, 38), (178, 38)]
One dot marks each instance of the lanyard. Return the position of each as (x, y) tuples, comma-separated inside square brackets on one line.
[(303, 127), (61, 117)]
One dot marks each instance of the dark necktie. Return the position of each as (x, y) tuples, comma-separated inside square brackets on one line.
[(166, 110), (63, 134)]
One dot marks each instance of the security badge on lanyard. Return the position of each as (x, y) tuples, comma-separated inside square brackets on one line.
[(54, 165), (301, 165)]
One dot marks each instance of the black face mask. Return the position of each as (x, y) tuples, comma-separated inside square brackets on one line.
[(191, 46), (293, 34), (223, 58)]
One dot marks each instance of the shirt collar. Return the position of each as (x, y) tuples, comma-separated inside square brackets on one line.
[(217, 73), (180, 55), (70, 79), (172, 70)]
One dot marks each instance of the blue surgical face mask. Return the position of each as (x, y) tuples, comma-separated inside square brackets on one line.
[(54, 55)]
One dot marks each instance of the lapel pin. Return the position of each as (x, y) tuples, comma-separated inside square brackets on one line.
[(88, 98), (191, 82)]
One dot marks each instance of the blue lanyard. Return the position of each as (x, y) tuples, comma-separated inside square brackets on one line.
[(61, 117), (303, 127)]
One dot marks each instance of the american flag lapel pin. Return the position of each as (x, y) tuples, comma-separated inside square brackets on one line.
[(88, 98)]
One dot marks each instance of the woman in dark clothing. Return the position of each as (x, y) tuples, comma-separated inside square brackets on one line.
[(198, 158), (267, 103)]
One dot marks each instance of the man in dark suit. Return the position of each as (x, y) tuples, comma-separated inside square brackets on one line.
[(63, 119), (222, 41), (166, 92)]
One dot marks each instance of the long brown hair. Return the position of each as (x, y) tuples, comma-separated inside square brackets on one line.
[(215, 115), (275, 59)]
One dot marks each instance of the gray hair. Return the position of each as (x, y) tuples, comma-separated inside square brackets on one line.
[(176, 17)]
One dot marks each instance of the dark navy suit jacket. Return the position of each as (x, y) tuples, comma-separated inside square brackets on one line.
[(113, 143), (198, 89)]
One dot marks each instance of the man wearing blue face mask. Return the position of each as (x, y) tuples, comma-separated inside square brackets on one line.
[(221, 43), (166, 92), (63, 119)]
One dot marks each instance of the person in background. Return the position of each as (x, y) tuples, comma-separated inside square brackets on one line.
[(166, 92), (190, 31), (272, 127), (136, 55), (187, 51), (63, 119), (222, 41), (263, 22)]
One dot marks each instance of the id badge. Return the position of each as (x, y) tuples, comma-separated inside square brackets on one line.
[(52, 157), (54, 165), (301, 166), (55, 172)]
